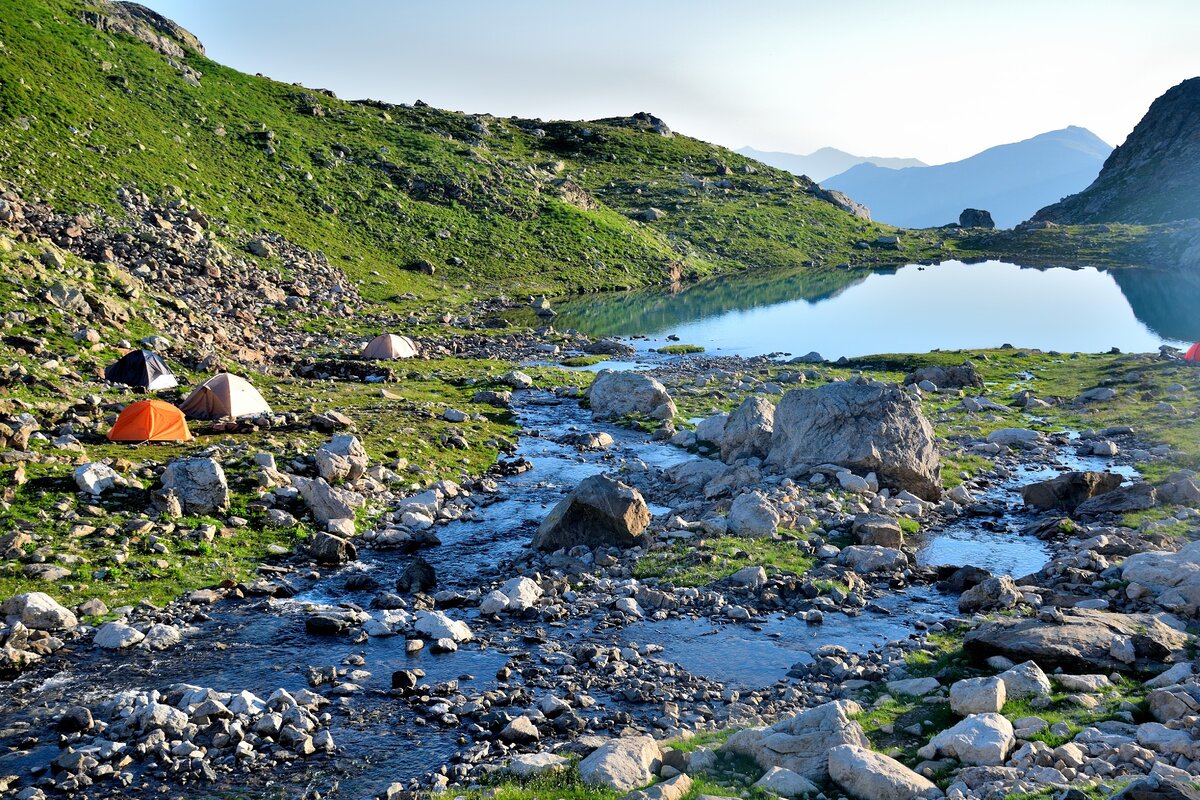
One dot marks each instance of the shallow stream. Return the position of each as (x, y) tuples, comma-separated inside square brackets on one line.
[(262, 645)]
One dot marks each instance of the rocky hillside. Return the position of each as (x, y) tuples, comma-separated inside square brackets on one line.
[(100, 97), (1152, 177)]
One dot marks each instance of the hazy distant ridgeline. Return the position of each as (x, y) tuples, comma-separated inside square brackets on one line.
[(824, 163), (1012, 181)]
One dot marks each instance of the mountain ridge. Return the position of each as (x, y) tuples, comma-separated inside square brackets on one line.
[(824, 162), (1009, 180), (1152, 177)]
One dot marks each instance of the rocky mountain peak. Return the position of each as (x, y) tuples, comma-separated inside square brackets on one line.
[(164, 35), (1151, 178)]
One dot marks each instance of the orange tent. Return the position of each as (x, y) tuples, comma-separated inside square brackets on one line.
[(1193, 353), (150, 421)]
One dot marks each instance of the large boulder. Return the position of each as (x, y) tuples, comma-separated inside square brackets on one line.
[(1065, 492), (863, 426), (1024, 681), (618, 394), (37, 611), (996, 592), (868, 775), (329, 505), (964, 375), (1100, 640), (1181, 488), (622, 764), (748, 430), (117, 636), (1158, 787), (1138, 497), (877, 529), (328, 548), (752, 514), (711, 429), (785, 783), (95, 478), (343, 458), (977, 696), (802, 743), (982, 740), (600, 512), (199, 483), (976, 218), (1173, 703), (436, 625), (1173, 578), (418, 576), (865, 559)]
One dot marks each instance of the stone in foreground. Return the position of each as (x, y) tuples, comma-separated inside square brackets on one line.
[(601, 512), (982, 740), (37, 611), (977, 696), (622, 764), (785, 783), (199, 483), (618, 394), (865, 427), (1098, 640), (802, 742), (868, 775), (1065, 492)]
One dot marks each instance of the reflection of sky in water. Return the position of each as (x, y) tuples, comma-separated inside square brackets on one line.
[(949, 305)]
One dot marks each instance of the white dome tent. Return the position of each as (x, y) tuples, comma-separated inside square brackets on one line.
[(390, 346), (224, 395)]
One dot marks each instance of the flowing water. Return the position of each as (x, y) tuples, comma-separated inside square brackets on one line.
[(912, 309), (263, 644)]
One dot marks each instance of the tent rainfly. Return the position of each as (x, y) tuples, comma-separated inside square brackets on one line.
[(1193, 353), (224, 395), (388, 346), (141, 368), (150, 421)]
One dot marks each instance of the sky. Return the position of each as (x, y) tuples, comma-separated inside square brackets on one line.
[(929, 79)]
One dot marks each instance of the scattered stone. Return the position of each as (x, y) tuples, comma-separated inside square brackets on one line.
[(618, 394), (117, 636), (861, 426), (600, 512), (867, 775), (37, 611), (622, 764), (1065, 492)]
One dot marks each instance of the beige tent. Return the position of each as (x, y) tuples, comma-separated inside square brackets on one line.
[(388, 346), (224, 395)]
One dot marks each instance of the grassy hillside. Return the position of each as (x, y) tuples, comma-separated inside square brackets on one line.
[(501, 203)]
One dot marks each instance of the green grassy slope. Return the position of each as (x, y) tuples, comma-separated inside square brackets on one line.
[(502, 203)]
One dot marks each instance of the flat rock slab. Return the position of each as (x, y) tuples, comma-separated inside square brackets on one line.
[(1100, 640)]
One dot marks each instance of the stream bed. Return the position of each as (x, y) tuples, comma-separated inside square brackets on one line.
[(261, 645)]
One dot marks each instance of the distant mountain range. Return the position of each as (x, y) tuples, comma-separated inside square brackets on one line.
[(1012, 181), (823, 163), (1151, 178)]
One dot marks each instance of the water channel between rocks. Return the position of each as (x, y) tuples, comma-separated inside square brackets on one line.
[(263, 645)]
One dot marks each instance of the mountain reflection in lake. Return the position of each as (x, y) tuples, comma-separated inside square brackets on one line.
[(911, 309)]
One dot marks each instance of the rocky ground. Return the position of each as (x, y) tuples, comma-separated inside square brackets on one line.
[(306, 602)]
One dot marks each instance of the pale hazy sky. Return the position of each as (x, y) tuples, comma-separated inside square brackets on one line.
[(932, 79)]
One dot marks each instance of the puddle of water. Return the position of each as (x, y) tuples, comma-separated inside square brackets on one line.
[(1003, 552), (741, 657)]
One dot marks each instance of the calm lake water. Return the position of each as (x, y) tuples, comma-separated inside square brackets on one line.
[(911, 309)]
